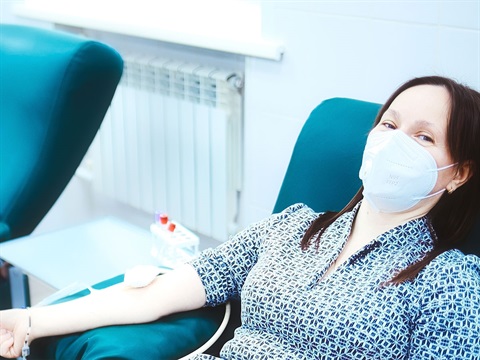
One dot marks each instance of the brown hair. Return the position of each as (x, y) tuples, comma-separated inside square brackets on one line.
[(453, 216)]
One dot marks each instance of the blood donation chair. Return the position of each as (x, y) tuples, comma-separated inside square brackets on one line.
[(55, 89), (323, 173), (323, 168)]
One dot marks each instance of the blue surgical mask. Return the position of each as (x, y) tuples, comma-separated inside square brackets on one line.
[(397, 172)]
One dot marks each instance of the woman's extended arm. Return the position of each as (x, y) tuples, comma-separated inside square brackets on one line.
[(178, 290)]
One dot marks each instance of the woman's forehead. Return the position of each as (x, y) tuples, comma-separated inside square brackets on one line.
[(426, 103)]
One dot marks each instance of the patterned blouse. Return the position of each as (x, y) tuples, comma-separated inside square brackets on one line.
[(290, 312)]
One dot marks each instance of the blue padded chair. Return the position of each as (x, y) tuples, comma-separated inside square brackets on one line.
[(323, 173), (55, 89), (323, 169)]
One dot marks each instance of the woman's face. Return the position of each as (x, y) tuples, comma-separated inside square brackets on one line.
[(422, 113)]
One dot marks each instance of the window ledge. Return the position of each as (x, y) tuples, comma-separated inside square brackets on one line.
[(254, 46)]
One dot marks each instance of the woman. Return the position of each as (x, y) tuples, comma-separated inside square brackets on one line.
[(380, 279)]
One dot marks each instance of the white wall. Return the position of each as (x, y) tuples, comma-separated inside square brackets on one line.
[(359, 49)]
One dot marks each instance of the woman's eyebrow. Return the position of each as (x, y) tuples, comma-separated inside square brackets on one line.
[(421, 122), (426, 124), (393, 112)]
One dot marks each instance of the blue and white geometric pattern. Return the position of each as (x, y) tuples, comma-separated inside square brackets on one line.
[(290, 312)]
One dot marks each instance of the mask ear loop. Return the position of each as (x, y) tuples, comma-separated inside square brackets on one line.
[(429, 196), (444, 167), (441, 190)]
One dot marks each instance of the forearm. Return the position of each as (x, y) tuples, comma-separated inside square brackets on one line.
[(179, 290)]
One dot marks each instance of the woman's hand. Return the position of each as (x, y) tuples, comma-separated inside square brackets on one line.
[(13, 329)]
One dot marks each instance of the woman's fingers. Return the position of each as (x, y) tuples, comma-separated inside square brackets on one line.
[(6, 344), (12, 336)]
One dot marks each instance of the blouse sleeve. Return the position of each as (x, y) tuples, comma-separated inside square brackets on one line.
[(448, 325), (223, 270)]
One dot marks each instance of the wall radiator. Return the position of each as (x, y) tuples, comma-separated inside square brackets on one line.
[(172, 142)]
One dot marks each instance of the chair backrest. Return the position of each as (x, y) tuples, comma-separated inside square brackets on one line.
[(55, 89), (323, 169)]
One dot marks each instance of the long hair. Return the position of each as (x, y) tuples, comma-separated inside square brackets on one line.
[(453, 216)]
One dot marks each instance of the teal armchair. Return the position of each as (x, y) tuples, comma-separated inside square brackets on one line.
[(323, 173), (312, 173), (323, 169), (55, 89)]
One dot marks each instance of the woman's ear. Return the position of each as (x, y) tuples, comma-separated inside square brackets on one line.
[(463, 173)]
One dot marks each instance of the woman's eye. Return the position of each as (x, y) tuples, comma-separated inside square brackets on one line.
[(388, 125), (425, 138)]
